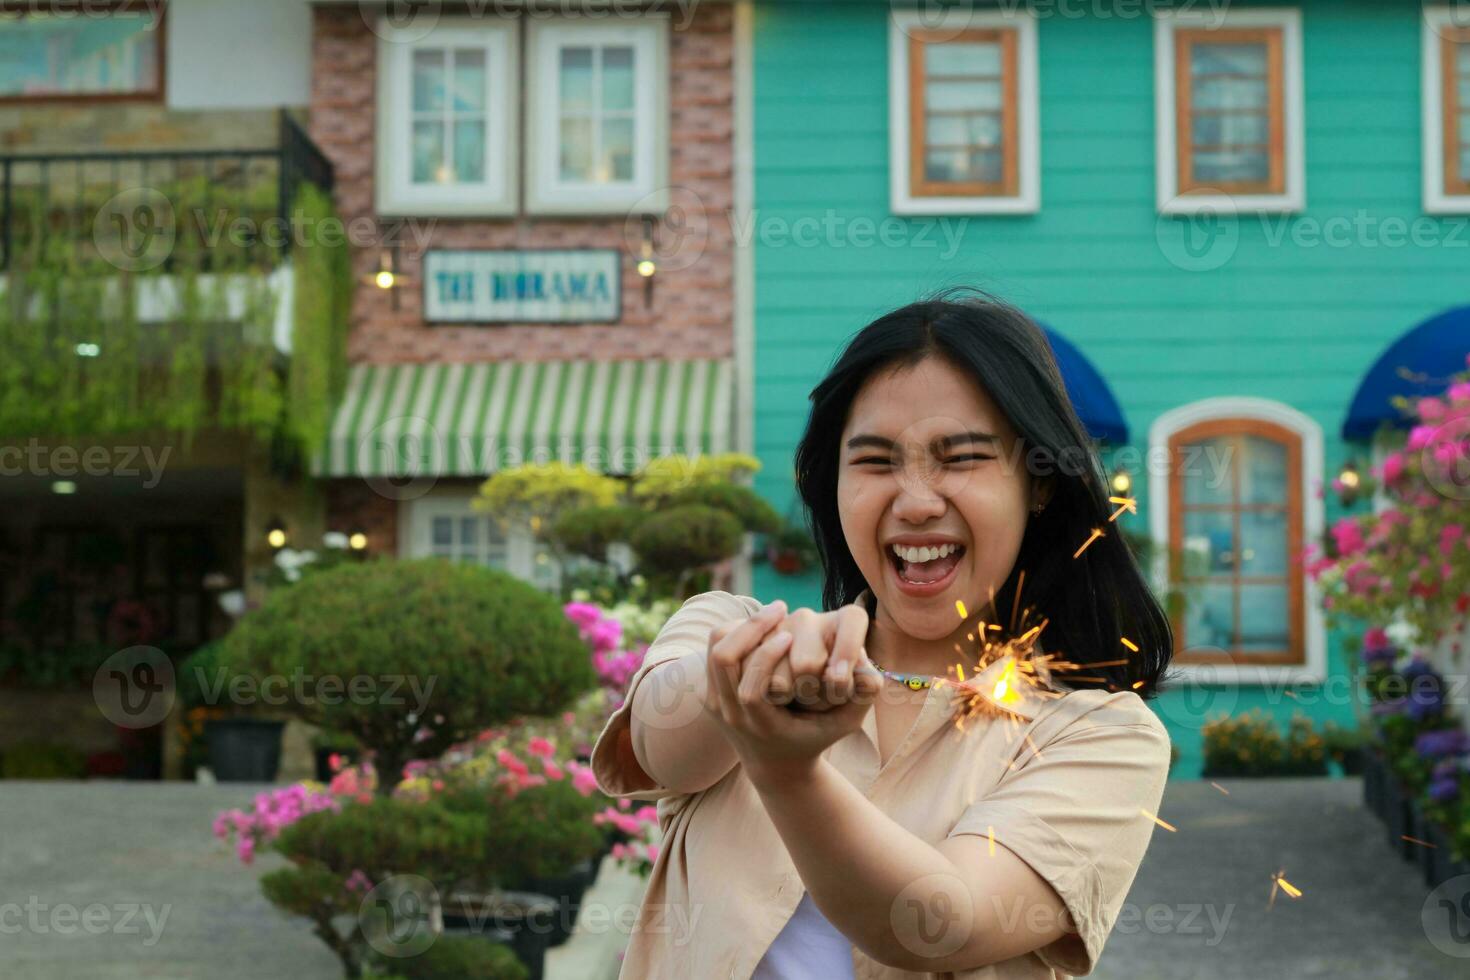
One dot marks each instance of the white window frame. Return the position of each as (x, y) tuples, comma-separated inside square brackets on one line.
[(396, 194), (1436, 201), (1170, 201), (1314, 669), (415, 532), (1027, 199), (647, 192)]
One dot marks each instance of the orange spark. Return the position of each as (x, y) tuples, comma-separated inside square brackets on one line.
[(1161, 823), (1096, 533)]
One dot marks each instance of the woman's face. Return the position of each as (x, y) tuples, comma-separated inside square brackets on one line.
[(932, 498)]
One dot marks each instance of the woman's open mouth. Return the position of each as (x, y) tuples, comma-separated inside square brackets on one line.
[(924, 571)]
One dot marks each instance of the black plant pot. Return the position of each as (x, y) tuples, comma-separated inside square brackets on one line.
[(1373, 798), (1440, 863), (521, 920), (567, 891), (1353, 761), (1398, 817), (244, 750)]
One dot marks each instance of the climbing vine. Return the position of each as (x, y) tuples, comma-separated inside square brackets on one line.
[(79, 359)]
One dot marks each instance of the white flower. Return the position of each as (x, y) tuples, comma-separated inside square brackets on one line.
[(233, 603), (334, 539), (1404, 635)]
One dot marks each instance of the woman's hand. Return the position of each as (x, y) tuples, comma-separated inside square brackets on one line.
[(770, 738)]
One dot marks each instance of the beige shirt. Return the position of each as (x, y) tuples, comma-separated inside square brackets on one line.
[(1070, 784)]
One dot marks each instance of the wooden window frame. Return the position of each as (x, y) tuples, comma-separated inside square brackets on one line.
[(1295, 653), (1185, 40), (1010, 183), (156, 94), (1452, 139)]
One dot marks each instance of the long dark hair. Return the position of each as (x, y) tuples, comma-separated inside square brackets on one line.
[(1091, 602)]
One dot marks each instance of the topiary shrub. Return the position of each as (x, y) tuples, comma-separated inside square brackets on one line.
[(462, 958), (590, 530), (682, 538), (410, 657), (42, 760), (749, 507)]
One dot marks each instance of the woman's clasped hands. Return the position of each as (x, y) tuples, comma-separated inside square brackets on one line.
[(785, 686)]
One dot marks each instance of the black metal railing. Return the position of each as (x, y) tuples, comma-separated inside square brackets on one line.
[(225, 207)]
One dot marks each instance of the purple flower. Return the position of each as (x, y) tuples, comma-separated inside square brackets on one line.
[(1442, 743), (1444, 790), (1383, 709)]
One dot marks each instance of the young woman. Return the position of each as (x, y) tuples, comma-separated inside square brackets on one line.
[(827, 808)]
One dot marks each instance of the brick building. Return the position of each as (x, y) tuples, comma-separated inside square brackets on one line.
[(552, 191)]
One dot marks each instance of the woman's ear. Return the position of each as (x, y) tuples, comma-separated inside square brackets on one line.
[(1041, 491)]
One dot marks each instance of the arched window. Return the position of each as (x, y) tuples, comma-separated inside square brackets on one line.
[(1235, 506)]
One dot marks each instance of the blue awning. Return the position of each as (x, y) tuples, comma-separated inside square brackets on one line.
[(1090, 394), (1418, 364)]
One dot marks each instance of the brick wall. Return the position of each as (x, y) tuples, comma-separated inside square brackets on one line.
[(353, 505), (691, 312)]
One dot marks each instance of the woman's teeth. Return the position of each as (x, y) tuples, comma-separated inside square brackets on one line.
[(915, 555)]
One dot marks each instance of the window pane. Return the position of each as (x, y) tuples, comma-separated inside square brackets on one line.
[(1232, 129), (1229, 93), (41, 54), (1249, 165), (963, 166), (942, 96), (962, 58), (617, 78), (469, 80), (963, 130), (1262, 542), (617, 150), (576, 79), (467, 530), (1209, 543), (1462, 59), (1263, 617), (576, 149), (441, 531), (1465, 159), (1235, 59), (1262, 471), (428, 152), (1205, 470), (469, 151), (428, 81), (1209, 619)]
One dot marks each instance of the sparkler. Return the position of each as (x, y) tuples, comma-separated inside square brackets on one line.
[(1278, 881)]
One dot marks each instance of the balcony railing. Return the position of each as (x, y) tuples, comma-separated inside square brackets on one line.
[(229, 207)]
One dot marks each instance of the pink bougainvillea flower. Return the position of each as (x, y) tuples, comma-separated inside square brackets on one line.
[(584, 781), (1393, 467), (1420, 436), (1459, 392), (1430, 409), (553, 771), (540, 746), (508, 759)]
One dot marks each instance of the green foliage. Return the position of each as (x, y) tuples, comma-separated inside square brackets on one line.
[(668, 475), (207, 366), (673, 540), (589, 530), (535, 833), (749, 507), (467, 646), (462, 958), (1251, 745), (52, 668), (537, 493), (42, 760)]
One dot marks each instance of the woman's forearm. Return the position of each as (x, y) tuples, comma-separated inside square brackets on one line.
[(674, 739), (854, 859)]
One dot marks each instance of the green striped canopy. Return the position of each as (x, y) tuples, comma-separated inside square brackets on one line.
[(407, 420)]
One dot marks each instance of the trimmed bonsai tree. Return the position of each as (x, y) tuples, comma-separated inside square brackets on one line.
[(410, 657)]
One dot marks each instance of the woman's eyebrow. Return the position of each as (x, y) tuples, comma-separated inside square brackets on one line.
[(943, 442)]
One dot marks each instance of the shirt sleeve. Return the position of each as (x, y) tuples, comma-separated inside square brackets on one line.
[(613, 763), (1080, 810)]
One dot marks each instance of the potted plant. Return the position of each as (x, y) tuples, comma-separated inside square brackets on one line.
[(790, 550), (1344, 747), (331, 751), (241, 744)]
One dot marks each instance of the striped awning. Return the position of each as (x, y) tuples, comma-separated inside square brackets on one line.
[(406, 420)]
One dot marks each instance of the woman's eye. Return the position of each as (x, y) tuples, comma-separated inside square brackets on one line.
[(967, 456), (870, 459)]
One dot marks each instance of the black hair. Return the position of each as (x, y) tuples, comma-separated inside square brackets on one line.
[(1091, 603)]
